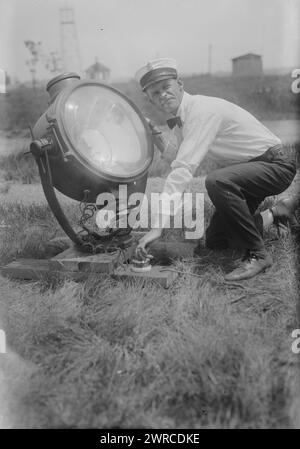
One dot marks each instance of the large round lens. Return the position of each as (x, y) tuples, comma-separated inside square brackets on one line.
[(106, 130)]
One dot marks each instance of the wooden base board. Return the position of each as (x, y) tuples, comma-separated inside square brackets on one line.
[(74, 260), (72, 263), (38, 269)]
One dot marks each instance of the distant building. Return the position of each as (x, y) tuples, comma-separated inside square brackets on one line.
[(247, 65), (98, 71)]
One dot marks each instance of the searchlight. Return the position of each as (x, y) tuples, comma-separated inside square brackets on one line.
[(89, 141)]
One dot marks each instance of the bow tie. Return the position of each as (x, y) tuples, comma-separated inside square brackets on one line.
[(174, 121)]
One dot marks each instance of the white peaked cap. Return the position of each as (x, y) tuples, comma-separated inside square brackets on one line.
[(156, 70)]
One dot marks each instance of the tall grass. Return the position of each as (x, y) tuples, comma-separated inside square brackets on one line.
[(19, 167), (107, 354), (26, 228), (22, 106)]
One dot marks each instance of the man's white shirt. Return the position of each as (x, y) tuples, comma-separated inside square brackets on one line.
[(225, 131)]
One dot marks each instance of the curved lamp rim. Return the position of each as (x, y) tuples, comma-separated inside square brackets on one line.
[(61, 128)]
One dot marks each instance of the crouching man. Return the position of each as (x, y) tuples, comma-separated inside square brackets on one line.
[(255, 165)]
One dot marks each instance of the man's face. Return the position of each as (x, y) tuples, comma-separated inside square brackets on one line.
[(166, 95)]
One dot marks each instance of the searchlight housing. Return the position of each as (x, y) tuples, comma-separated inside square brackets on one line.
[(90, 140)]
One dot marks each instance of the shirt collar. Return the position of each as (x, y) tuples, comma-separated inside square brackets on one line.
[(182, 110)]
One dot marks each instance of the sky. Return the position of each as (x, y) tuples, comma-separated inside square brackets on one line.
[(125, 34)]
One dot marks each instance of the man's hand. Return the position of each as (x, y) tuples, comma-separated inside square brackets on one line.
[(153, 128), (156, 136), (140, 251)]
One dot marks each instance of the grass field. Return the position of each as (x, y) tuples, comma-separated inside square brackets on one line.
[(107, 354)]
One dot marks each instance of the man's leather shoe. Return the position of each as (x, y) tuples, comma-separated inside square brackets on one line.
[(251, 266), (284, 211)]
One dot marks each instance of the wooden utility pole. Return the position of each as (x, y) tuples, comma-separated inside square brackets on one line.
[(209, 59)]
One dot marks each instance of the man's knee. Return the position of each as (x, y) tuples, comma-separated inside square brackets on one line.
[(214, 180)]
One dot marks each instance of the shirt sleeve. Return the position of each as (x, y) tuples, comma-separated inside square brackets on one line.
[(199, 133)]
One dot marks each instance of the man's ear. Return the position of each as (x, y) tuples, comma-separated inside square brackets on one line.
[(180, 83)]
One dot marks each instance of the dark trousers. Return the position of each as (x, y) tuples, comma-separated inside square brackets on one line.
[(236, 192)]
